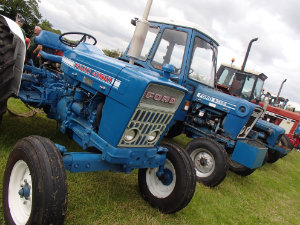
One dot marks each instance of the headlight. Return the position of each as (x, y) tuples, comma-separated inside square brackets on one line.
[(152, 136), (130, 135)]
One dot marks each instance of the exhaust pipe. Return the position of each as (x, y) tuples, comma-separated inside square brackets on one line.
[(139, 36), (247, 53)]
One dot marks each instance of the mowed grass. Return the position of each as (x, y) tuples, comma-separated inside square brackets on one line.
[(271, 195)]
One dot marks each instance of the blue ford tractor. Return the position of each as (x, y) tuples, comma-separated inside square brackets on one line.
[(220, 124), (250, 85), (116, 112)]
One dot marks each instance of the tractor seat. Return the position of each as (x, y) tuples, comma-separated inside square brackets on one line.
[(51, 44)]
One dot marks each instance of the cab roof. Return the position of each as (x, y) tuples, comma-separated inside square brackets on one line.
[(183, 23), (246, 71)]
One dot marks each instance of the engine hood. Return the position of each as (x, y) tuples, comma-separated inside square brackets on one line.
[(266, 126), (224, 102)]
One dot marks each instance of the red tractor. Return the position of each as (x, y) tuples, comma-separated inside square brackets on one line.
[(248, 85)]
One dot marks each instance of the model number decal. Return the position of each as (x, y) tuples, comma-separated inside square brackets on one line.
[(91, 72), (213, 100)]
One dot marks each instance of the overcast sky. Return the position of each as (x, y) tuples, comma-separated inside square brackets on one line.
[(233, 22)]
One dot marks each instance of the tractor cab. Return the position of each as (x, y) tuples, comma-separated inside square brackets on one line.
[(184, 45), (244, 84)]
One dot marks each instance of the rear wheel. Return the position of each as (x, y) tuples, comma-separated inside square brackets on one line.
[(174, 130), (239, 169), (285, 143), (7, 49), (34, 186), (209, 159), (173, 190)]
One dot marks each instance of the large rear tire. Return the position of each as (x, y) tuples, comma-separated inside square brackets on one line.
[(285, 143), (174, 130), (209, 159), (34, 186), (7, 61), (173, 190), (239, 169)]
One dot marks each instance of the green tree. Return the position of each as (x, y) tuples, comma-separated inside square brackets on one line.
[(46, 25), (112, 53), (29, 10)]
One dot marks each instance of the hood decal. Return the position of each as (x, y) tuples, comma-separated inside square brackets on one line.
[(214, 101)]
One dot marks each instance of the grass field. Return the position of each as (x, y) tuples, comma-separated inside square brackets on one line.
[(271, 195)]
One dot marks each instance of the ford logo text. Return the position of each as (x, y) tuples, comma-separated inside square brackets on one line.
[(159, 97)]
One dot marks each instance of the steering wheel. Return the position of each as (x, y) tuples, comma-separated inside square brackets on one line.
[(73, 44)]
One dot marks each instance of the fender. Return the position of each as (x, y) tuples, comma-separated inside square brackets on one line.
[(20, 52)]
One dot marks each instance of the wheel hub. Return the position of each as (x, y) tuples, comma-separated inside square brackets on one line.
[(24, 192), (204, 162), (167, 177), (161, 182), (20, 199)]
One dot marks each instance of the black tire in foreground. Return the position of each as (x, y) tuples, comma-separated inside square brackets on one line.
[(239, 169), (173, 190), (210, 160), (7, 50), (34, 186)]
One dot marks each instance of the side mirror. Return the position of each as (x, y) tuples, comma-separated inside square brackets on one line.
[(133, 21)]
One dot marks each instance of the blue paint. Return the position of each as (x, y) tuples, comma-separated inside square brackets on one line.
[(25, 191), (249, 155)]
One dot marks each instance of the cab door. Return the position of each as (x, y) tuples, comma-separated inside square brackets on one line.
[(201, 63)]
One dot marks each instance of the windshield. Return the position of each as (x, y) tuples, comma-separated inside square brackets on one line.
[(237, 84), (202, 67), (150, 38), (248, 87), (226, 77), (170, 50)]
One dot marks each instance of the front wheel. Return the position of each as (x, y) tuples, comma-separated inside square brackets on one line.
[(34, 186), (174, 189), (209, 159)]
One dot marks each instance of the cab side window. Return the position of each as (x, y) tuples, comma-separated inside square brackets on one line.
[(202, 67)]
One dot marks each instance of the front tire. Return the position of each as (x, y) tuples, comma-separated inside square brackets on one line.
[(175, 188), (34, 186), (209, 159)]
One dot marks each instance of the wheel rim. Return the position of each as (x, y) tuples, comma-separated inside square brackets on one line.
[(156, 186), (204, 162), (20, 182)]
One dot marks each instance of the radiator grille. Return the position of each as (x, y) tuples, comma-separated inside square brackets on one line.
[(147, 121), (152, 116), (257, 112)]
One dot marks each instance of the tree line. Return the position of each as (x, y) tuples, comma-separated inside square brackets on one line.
[(29, 10)]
